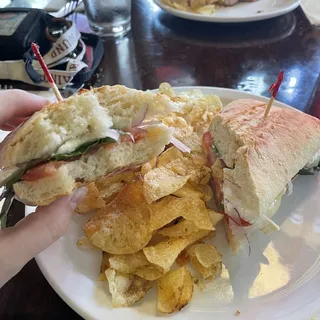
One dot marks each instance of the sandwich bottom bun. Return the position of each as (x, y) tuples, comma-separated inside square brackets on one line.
[(107, 160)]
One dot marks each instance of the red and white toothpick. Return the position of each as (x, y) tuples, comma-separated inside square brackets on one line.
[(35, 49), (274, 89)]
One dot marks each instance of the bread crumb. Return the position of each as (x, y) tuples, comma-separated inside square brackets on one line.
[(237, 313)]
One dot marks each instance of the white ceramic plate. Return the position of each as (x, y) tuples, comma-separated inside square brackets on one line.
[(241, 12), (279, 280)]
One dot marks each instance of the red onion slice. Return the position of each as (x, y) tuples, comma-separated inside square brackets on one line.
[(178, 144), (140, 116)]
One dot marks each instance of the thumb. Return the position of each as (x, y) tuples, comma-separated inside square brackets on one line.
[(35, 233), (47, 224)]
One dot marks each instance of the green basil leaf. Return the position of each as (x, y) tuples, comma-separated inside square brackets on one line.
[(215, 150), (82, 149)]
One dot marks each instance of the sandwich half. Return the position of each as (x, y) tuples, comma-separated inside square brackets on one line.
[(254, 160), (98, 132)]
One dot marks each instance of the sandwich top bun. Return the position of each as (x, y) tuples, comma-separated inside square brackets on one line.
[(83, 117), (262, 156)]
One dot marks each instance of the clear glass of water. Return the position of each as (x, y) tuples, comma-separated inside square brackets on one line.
[(109, 18)]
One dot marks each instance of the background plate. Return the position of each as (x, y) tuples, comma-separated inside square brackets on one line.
[(279, 280), (241, 12)]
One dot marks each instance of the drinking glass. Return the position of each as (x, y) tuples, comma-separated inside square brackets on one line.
[(109, 18)]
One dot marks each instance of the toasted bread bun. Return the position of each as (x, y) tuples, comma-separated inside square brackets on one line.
[(262, 156), (89, 167), (62, 126)]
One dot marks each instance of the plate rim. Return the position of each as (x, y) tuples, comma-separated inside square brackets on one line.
[(234, 19), (55, 286)]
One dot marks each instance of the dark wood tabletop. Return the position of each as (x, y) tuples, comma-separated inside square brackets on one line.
[(160, 48)]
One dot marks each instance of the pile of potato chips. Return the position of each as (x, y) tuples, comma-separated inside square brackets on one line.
[(151, 223)]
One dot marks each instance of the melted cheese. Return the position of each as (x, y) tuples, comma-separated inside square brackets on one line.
[(314, 162)]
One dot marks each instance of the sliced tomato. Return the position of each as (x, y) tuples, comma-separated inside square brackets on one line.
[(207, 142), (42, 170), (135, 133), (245, 223)]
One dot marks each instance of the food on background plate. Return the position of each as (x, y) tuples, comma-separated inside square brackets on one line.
[(254, 160), (202, 6)]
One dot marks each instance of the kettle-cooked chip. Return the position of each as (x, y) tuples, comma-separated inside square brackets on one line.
[(122, 227), (181, 229), (91, 201), (104, 266), (190, 190), (149, 272), (175, 289), (215, 217), (126, 289), (161, 182), (148, 166), (128, 263), (206, 259), (164, 254), (168, 156), (170, 208)]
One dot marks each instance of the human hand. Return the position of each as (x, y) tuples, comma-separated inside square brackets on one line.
[(40, 229)]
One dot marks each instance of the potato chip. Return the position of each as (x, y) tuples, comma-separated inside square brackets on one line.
[(161, 182), (128, 263), (84, 243), (104, 266), (206, 259), (126, 289), (109, 186), (193, 165), (111, 191), (182, 258), (148, 166), (217, 170), (181, 229), (168, 156), (184, 132), (215, 217), (123, 177), (170, 208), (190, 190), (164, 254), (175, 290), (149, 272), (166, 89), (122, 227), (91, 201)]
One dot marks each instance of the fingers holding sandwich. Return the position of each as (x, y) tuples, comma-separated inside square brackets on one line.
[(35, 233), (16, 106)]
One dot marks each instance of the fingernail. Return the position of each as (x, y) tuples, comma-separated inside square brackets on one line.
[(77, 196)]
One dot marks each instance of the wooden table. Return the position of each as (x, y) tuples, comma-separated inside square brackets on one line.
[(162, 48)]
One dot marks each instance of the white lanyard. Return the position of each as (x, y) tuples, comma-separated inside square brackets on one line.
[(57, 55)]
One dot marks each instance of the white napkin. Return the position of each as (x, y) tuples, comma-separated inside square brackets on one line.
[(311, 9), (55, 5)]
